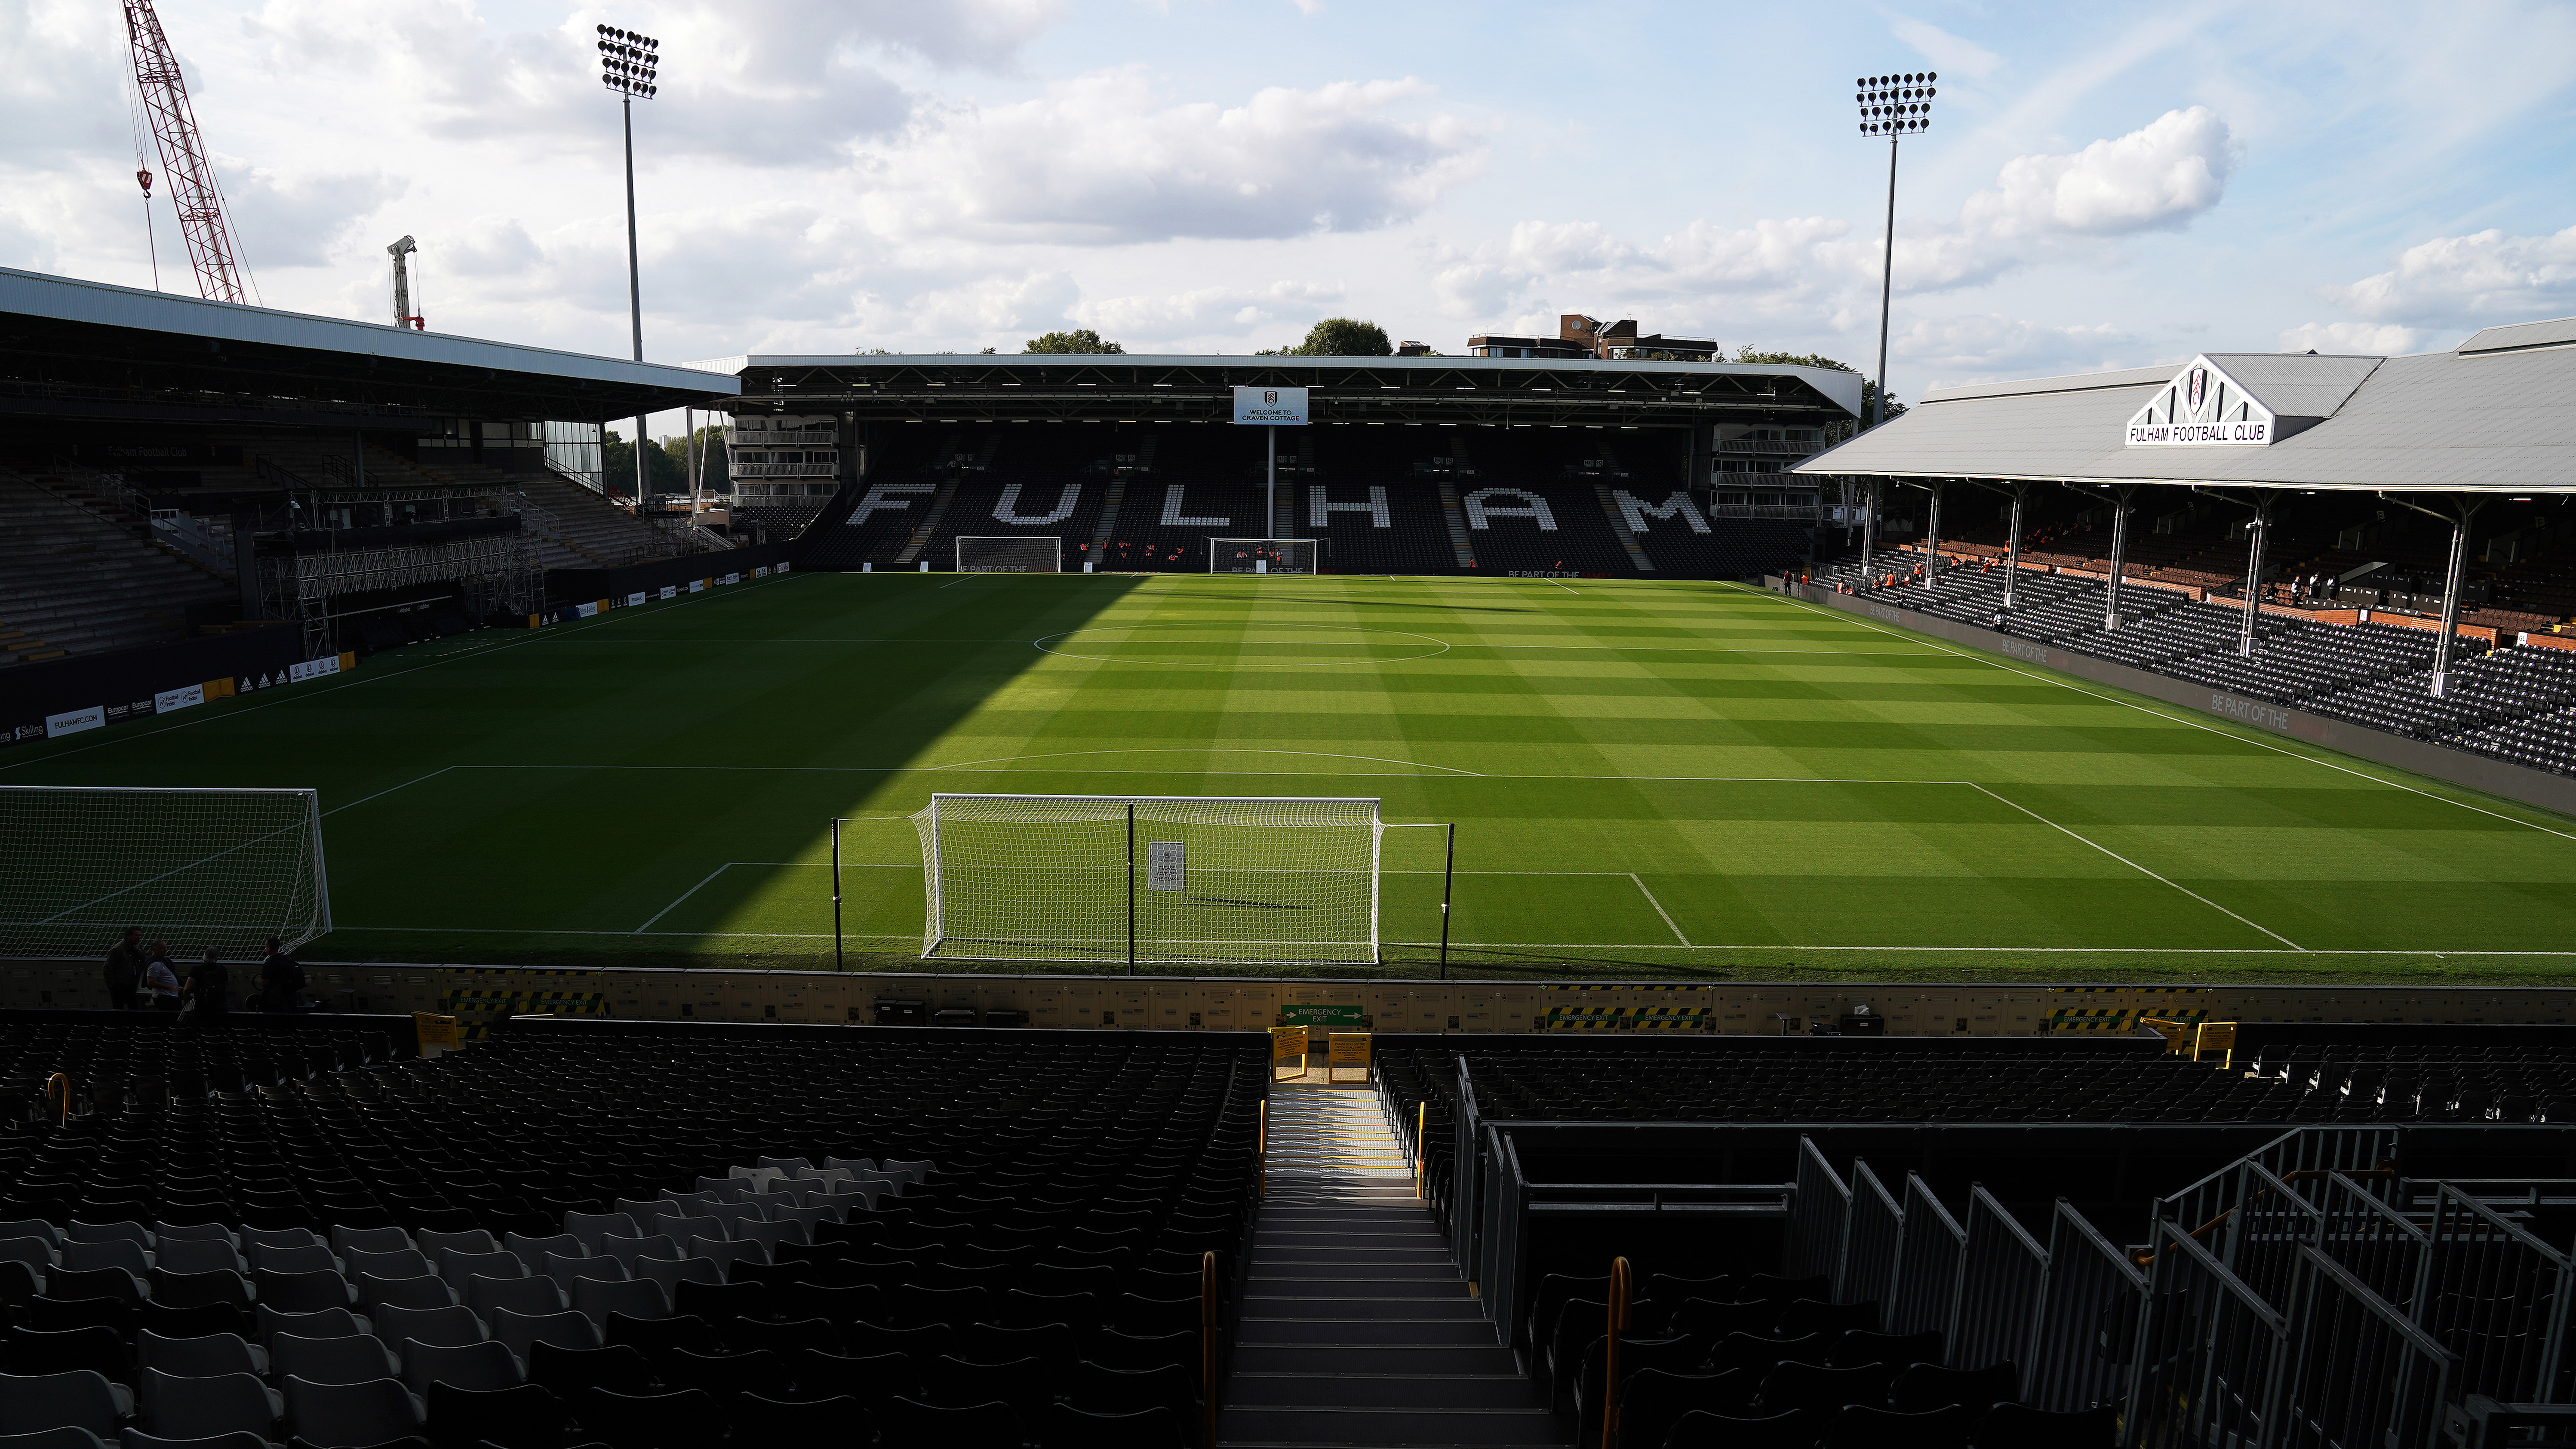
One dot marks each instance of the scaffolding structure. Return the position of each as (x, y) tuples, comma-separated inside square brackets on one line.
[(496, 571)]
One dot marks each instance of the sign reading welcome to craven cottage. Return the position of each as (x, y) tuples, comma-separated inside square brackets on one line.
[(2202, 407), (1272, 406)]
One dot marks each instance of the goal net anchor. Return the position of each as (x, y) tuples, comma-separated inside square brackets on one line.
[(197, 868), (1009, 553), (1154, 880), (1261, 555)]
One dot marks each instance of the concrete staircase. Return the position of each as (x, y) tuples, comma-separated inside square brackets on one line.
[(1356, 1328), (73, 581)]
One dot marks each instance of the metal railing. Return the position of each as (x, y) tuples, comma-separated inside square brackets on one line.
[(1927, 1267), (2083, 1330), (2210, 1353), (2360, 1373), (1819, 1218), (1873, 1241), (2000, 1272)]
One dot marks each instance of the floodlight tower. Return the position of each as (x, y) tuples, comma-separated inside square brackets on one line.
[(628, 63), (1894, 106)]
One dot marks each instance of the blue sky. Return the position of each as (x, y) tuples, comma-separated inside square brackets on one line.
[(2103, 186)]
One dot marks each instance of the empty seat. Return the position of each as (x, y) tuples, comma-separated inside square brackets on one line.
[(200, 1357), (201, 1408), (33, 1403), (522, 1332), (425, 1291), (446, 1326), (635, 1299), (351, 1416), (490, 1364), (686, 1420), (350, 1360), (523, 1416)]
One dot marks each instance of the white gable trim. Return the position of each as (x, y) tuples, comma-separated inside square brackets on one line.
[(2203, 407)]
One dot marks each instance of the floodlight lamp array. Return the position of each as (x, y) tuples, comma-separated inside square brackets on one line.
[(628, 62), (1896, 105)]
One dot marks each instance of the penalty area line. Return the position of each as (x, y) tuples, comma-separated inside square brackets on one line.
[(2133, 865)]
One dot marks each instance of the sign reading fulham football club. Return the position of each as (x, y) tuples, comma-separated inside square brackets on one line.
[(1280, 407), (2201, 408)]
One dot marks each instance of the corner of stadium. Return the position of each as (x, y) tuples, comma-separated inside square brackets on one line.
[(1273, 901)]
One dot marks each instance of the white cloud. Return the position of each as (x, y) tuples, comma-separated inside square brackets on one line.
[(1103, 159), (1707, 279), (2363, 339), (2468, 280), (1946, 51), (1205, 311), (2157, 178), (1989, 344)]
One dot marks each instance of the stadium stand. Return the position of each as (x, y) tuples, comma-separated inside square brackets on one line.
[(2512, 701), (1388, 503), (85, 576), (1794, 1241), (595, 1232)]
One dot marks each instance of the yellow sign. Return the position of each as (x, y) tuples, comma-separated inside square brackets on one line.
[(2177, 1034), (1287, 1050), (2218, 1037), (435, 1030), (1349, 1049)]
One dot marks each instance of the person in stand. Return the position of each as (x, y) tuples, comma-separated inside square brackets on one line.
[(160, 979), (281, 980), (209, 987), (125, 970)]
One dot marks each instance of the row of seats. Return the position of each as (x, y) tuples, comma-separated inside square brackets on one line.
[(2516, 704), (1762, 1360)]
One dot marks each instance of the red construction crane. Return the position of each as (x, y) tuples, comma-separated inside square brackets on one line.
[(212, 249)]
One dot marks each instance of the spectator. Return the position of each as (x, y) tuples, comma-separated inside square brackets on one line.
[(160, 981), (125, 970), (209, 987), (280, 982)]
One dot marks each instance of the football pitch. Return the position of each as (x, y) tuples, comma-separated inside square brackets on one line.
[(1678, 780)]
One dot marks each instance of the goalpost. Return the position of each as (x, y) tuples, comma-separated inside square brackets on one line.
[(1261, 555), (1013, 553), (1163, 880), (195, 868)]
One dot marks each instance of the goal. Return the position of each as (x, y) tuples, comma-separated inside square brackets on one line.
[(1010, 554), (1146, 878), (1261, 555), (195, 868)]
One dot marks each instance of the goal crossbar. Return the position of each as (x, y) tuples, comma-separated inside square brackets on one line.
[(1261, 555), (1160, 879), (197, 867), (1009, 553)]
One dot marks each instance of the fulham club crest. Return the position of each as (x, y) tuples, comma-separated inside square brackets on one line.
[(2198, 391)]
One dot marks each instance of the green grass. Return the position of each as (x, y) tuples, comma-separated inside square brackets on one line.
[(1680, 780)]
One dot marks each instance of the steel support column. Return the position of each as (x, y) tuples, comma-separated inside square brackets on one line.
[(2465, 509)]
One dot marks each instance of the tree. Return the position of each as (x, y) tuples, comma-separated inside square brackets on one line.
[(662, 470), (1080, 339), (1868, 388), (1340, 337), (715, 477)]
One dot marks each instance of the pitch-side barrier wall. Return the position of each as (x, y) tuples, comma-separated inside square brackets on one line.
[(480, 995), (2514, 782)]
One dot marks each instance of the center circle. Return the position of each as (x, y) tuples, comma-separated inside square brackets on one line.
[(1236, 646)]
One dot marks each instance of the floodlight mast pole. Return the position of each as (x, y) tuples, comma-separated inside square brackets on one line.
[(1893, 106), (1886, 287), (628, 65)]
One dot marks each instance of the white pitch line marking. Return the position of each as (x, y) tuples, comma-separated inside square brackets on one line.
[(2133, 865), (1659, 908), (684, 895), (2255, 740)]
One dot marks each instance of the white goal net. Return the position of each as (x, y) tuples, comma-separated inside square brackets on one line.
[(194, 868), (1151, 879), (1010, 554), (1261, 555)]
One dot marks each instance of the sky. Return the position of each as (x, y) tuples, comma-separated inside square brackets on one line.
[(2102, 186)]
